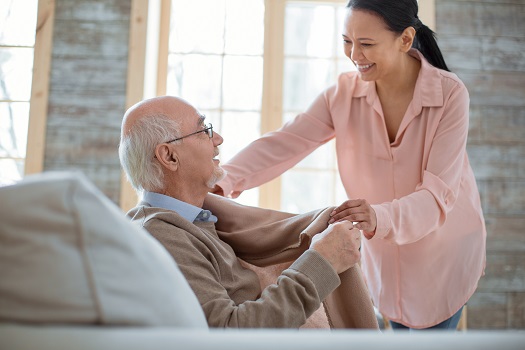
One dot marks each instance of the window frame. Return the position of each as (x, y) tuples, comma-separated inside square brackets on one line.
[(273, 65), (138, 29), (38, 102)]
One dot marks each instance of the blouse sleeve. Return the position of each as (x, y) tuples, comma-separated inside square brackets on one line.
[(410, 218)]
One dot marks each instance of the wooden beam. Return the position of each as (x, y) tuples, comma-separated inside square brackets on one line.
[(271, 108), (164, 35), (36, 133), (135, 83)]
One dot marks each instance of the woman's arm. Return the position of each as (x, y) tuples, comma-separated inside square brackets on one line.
[(274, 153)]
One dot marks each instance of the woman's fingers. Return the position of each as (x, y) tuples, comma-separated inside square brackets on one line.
[(358, 211)]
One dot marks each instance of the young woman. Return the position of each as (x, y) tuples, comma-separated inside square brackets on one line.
[(400, 124)]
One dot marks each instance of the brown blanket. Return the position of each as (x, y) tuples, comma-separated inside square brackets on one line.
[(349, 306)]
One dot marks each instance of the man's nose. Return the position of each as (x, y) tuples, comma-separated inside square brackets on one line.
[(217, 139)]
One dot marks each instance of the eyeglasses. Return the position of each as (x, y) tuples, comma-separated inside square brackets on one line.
[(208, 129)]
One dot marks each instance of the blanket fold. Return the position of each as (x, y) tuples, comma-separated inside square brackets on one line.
[(265, 237)]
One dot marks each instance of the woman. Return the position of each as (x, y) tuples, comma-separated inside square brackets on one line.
[(400, 124)]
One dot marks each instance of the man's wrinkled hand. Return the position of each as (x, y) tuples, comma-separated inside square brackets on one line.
[(339, 243)]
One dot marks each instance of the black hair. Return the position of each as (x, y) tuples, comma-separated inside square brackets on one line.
[(400, 14)]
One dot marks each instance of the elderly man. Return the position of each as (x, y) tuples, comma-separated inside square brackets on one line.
[(168, 152)]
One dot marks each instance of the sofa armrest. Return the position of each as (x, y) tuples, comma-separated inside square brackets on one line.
[(21, 337)]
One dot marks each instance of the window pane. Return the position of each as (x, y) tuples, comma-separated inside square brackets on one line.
[(11, 171), (212, 116), (340, 193), (196, 78), (309, 30), (244, 27), (16, 67), (17, 29), (314, 57), (306, 190), (242, 82), (304, 80), (224, 80), (345, 65), (249, 197), (289, 116), (17, 22), (238, 130), (197, 26), (13, 129), (341, 13)]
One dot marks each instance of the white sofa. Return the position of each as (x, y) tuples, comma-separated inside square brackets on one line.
[(17, 337), (75, 274)]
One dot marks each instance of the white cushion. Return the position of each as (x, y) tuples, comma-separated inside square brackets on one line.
[(69, 255)]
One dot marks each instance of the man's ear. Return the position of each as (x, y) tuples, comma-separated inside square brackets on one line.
[(167, 157), (407, 38)]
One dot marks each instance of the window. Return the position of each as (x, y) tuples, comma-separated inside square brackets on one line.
[(215, 61), (249, 79), (313, 58), (250, 66), (17, 40)]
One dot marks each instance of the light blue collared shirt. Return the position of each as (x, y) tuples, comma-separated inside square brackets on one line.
[(187, 211)]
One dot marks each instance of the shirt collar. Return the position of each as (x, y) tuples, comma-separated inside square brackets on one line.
[(186, 210), (428, 91), (429, 88)]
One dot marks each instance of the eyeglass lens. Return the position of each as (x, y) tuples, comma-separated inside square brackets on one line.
[(209, 130)]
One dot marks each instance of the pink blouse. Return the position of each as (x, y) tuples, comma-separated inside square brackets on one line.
[(428, 253)]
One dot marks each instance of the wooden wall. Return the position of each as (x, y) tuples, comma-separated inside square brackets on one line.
[(484, 43), (87, 94)]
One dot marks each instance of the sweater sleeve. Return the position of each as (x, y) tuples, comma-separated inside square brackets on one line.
[(287, 304), (295, 296)]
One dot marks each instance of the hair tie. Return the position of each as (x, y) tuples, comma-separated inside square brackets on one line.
[(417, 24)]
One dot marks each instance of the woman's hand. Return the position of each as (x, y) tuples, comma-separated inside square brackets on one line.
[(217, 190), (359, 212)]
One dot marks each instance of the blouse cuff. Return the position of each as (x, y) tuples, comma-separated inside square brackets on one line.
[(384, 225), (226, 187)]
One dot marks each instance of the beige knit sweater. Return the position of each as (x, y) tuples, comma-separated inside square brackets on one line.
[(230, 294)]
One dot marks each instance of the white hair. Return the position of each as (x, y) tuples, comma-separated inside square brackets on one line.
[(137, 151)]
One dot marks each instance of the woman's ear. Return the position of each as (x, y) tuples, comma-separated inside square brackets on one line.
[(407, 38), (166, 156)]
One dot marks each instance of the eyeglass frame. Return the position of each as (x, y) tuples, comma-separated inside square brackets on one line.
[(208, 129)]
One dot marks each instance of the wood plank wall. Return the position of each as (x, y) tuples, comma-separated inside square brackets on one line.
[(87, 94), (484, 43)]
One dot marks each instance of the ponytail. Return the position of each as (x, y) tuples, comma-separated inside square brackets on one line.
[(425, 42)]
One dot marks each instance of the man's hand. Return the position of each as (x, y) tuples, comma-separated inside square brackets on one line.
[(339, 244), (359, 212)]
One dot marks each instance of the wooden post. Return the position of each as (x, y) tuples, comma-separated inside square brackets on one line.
[(135, 84), (36, 133)]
